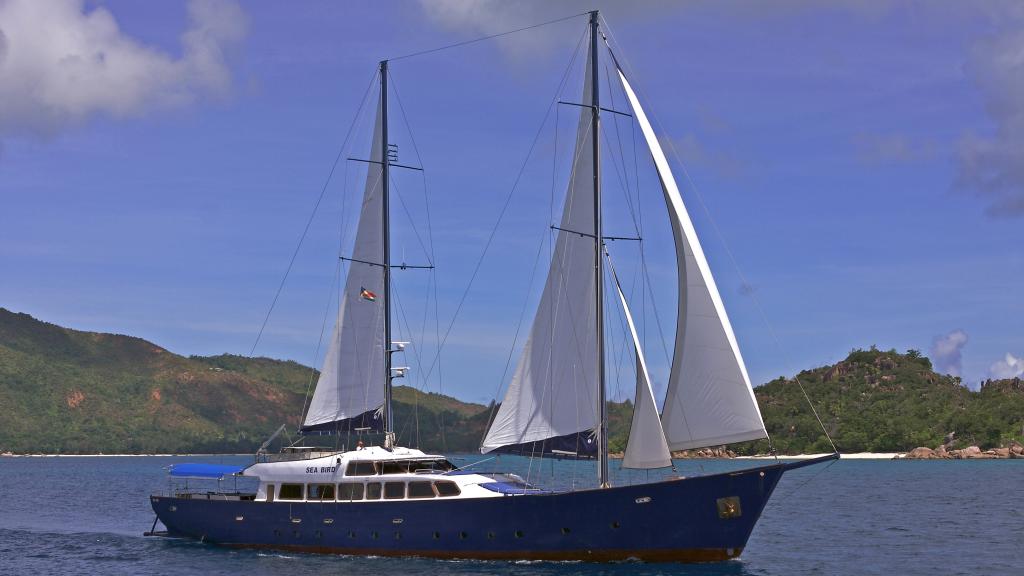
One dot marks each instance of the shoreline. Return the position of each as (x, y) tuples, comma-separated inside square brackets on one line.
[(851, 456)]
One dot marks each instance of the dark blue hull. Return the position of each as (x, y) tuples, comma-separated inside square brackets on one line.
[(707, 518)]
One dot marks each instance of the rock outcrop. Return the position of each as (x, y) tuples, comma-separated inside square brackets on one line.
[(1014, 450)]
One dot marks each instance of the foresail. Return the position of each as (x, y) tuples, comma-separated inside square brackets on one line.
[(551, 401), (710, 400), (350, 392), (646, 447)]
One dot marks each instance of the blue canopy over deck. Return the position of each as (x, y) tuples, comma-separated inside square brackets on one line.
[(204, 471)]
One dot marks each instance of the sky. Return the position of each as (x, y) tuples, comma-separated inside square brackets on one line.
[(855, 172)]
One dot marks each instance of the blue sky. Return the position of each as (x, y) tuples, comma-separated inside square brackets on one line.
[(862, 163)]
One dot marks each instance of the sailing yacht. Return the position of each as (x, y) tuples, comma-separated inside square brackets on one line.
[(395, 501)]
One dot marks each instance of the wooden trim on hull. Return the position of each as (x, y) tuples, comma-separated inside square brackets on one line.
[(690, 555)]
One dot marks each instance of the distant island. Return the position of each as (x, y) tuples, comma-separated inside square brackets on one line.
[(65, 391)]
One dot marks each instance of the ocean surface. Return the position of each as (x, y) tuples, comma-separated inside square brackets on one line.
[(86, 515)]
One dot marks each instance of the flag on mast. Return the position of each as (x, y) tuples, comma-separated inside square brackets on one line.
[(367, 295)]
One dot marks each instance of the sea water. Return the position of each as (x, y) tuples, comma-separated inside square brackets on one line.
[(86, 515)]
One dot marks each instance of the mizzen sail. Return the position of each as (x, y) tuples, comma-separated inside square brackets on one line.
[(350, 391)]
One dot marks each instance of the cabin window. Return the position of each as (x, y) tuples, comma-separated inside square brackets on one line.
[(291, 492), (431, 466), (373, 490), (420, 490), (447, 488), (361, 469), (321, 492), (394, 467), (394, 490), (351, 491), (270, 492)]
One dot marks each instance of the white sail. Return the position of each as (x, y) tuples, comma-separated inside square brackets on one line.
[(350, 391), (646, 447), (553, 392), (710, 400)]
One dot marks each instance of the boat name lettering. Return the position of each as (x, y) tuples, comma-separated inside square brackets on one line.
[(321, 469)]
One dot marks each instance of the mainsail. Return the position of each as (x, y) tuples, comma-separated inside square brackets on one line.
[(551, 401), (350, 391), (710, 400)]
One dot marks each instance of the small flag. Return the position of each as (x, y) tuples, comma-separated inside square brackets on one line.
[(367, 295)]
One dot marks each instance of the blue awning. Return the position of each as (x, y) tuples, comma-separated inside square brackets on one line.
[(207, 471), (512, 488)]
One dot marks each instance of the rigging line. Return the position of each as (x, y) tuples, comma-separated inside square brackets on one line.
[(622, 181), (736, 267), (412, 224), (309, 222), (416, 352), (430, 240), (489, 37), (622, 155), (504, 209), (405, 120), (800, 486)]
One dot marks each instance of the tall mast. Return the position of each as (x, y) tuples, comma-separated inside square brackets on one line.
[(385, 159), (595, 132)]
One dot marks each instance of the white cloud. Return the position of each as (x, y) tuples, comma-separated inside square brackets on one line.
[(945, 352), (993, 166), (61, 64), (1009, 367)]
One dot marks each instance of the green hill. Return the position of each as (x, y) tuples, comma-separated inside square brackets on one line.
[(68, 391), (884, 401)]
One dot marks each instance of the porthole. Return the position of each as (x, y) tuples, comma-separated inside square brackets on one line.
[(374, 535), (328, 520), (437, 535), (519, 533), (398, 535), (566, 530), (490, 535), (615, 525), (351, 534), (463, 535), (295, 533), (318, 535)]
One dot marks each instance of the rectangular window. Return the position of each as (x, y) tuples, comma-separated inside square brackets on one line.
[(270, 492), (373, 490), (430, 466), (447, 488), (321, 492), (394, 467), (351, 491), (421, 490), (394, 490), (361, 469), (291, 492)]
